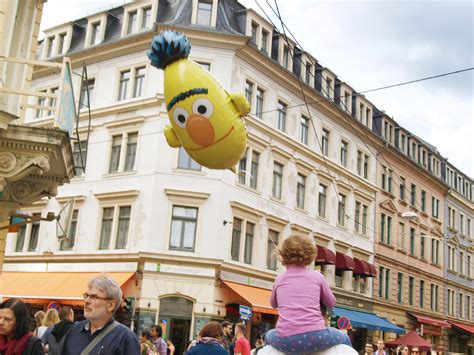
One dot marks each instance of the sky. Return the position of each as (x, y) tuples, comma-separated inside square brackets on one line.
[(374, 43)]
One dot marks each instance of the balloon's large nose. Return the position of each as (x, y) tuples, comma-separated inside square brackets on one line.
[(200, 130)]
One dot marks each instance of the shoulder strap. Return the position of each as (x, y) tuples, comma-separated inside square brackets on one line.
[(98, 338)]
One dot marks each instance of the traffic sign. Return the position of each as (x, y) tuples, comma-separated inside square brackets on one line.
[(343, 322)]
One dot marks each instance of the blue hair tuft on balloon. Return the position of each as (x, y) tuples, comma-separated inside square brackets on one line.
[(167, 47)]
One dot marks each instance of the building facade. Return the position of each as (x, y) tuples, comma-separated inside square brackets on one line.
[(458, 256)]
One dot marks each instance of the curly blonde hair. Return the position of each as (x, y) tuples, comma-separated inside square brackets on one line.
[(297, 250)]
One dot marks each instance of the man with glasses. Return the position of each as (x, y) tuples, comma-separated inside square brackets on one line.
[(100, 334), (369, 349)]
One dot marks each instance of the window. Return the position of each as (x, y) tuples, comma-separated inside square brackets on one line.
[(132, 21), (328, 88), (469, 266), (423, 200), (277, 180), (322, 201), (186, 162), (451, 302), (281, 124), (469, 308), (254, 33), (422, 294), (41, 102), (264, 41), (413, 195), (461, 263), (183, 228), (123, 227), (359, 162), (51, 41), (286, 57), (387, 283), (461, 305), (204, 12), (347, 96), (357, 216), (123, 152), (106, 227), (249, 233), (422, 246), (461, 223), (361, 116), (123, 86), (146, 17), (79, 151), (386, 179), (402, 143), (341, 210), (61, 42), (304, 129), (309, 69), (249, 91), (412, 241), (434, 207), (271, 246), (68, 243), (259, 103), (243, 168), (27, 237), (401, 236), (87, 93), (451, 217), (344, 148), (411, 283), (325, 142), (139, 82), (300, 190), (236, 233), (95, 34), (434, 297), (381, 275), (364, 219), (400, 287), (52, 100), (254, 170), (468, 228), (205, 66), (402, 188)]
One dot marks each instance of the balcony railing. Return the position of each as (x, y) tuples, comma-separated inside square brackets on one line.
[(338, 281)]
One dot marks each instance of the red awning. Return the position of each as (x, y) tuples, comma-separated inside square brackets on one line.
[(325, 256), (412, 339), (373, 270), (344, 262), (431, 321), (361, 268), (466, 327)]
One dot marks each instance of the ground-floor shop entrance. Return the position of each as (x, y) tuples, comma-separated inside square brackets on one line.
[(175, 320)]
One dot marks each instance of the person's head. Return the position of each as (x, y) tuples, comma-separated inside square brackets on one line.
[(380, 345), (259, 343), (51, 317), (156, 331), (146, 335), (405, 350), (212, 330), (39, 316), (297, 250), (102, 299), (66, 313), (14, 319), (415, 351), (227, 328), (240, 330), (369, 348)]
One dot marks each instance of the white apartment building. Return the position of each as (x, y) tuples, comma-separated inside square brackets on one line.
[(188, 243)]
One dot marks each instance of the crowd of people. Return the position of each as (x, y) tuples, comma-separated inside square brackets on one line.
[(300, 294)]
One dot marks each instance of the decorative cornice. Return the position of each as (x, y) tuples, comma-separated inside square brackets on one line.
[(117, 195), (187, 197)]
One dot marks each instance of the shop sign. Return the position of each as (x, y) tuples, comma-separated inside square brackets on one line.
[(245, 280), (353, 303), (179, 269), (245, 312)]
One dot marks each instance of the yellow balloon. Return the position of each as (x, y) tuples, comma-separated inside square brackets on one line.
[(205, 119)]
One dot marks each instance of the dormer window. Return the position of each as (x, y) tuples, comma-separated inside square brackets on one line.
[(263, 48), (402, 142), (254, 33), (347, 105), (328, 88), (361, 116), (204, 12), (61, 42), (286, 57), (309, 69), (146, 17), (132, 21), (51, 41), (95, 33)]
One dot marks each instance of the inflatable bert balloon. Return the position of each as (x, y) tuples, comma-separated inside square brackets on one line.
[(205, 119)]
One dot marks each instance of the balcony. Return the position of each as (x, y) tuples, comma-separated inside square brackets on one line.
[(338, 280)]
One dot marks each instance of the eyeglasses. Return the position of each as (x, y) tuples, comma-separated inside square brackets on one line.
[(95, 297)]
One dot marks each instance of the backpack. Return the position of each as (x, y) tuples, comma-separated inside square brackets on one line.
[(55, 347), (33, 343)]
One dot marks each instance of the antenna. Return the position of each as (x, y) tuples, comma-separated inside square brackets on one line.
[(63, 220)]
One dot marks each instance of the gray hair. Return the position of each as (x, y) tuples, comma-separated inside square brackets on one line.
[(109, 286)]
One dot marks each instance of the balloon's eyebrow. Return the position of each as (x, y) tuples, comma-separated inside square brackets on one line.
[(184, 95)]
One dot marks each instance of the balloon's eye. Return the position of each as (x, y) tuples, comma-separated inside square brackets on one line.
[(180, 116), (203, 107)]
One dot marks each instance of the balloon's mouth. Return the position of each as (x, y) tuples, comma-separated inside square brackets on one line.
[(215, 142)]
